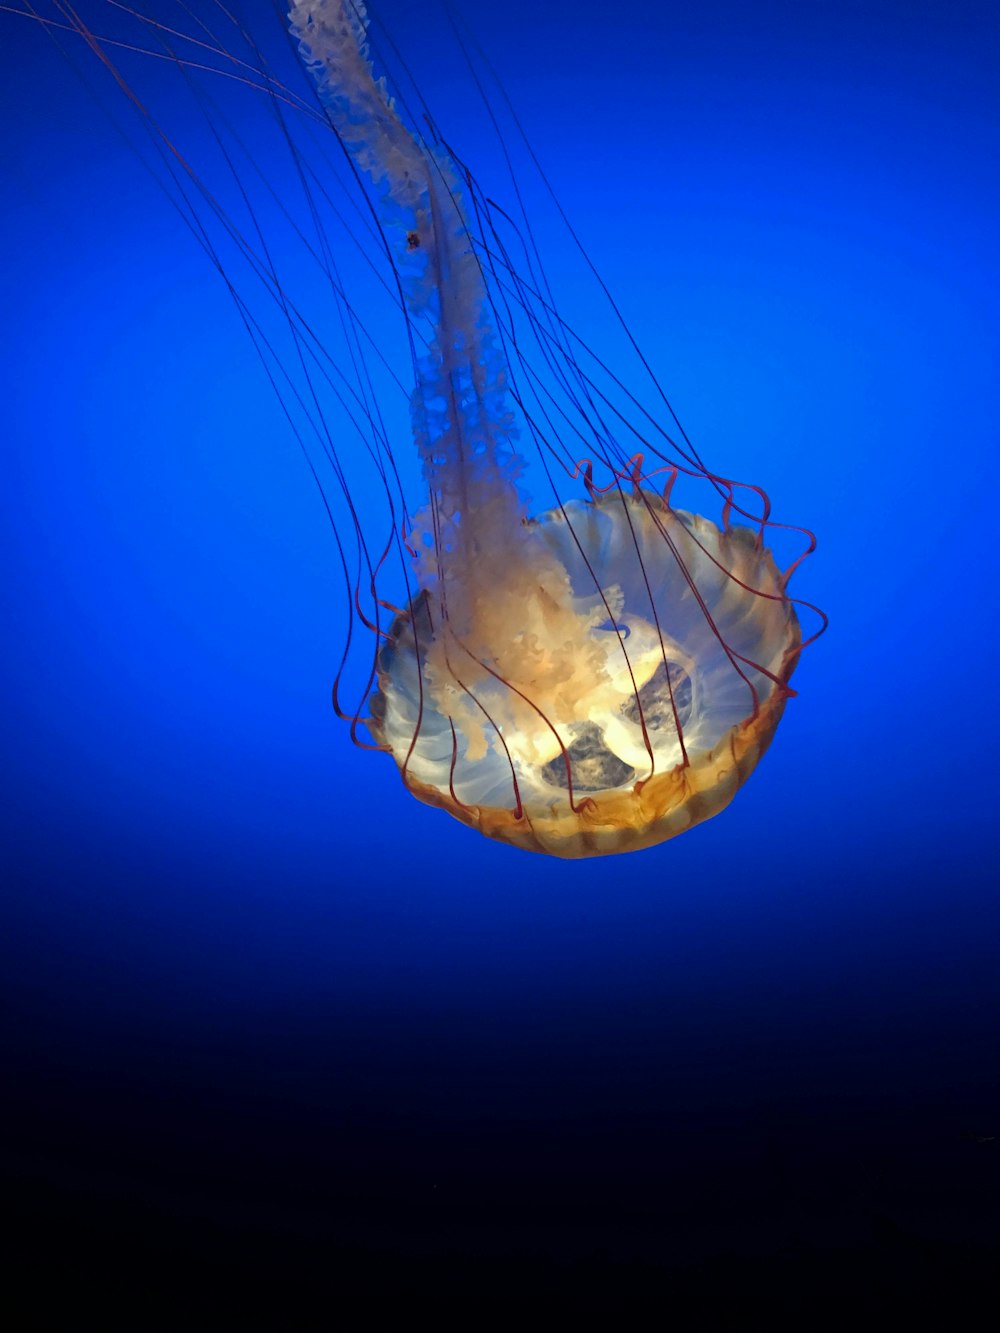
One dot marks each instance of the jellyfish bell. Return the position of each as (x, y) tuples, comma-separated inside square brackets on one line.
[(587, 674), (550, 724)]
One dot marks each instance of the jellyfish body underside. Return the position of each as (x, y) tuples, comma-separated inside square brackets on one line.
[(690, 677)]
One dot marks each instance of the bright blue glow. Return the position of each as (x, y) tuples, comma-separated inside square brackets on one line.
[(795, 208)]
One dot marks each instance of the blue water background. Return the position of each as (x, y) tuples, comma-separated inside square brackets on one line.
[(230, 933)]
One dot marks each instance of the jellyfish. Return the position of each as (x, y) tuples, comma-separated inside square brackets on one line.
[(591, 679), (589, 675)]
